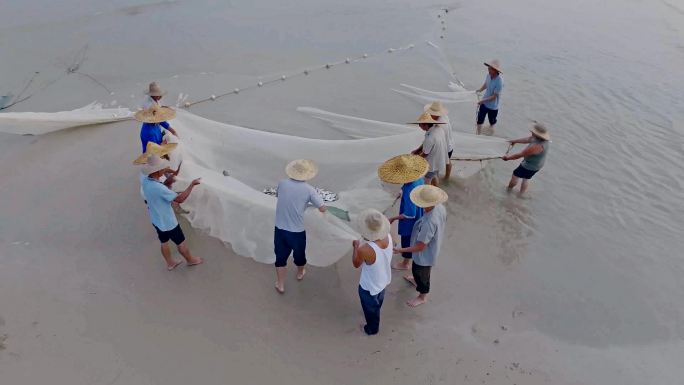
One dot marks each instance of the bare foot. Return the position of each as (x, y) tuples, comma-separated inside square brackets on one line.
[(195, 262), (301, 274), (410, 280), (400, 266), (280, 289), (416, 302), (173, 266)]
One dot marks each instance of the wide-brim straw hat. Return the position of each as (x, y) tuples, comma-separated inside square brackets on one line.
[(403, 168), (428, 195), (155, 90), (155, 114), (301, 169), (494, 63), (539, 130), (154, 164), (156, 150), (436, 109), (425, 118), (373, 225)]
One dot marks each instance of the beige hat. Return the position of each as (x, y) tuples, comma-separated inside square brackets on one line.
[(425, 118), (372, 225), (494, 63), (403, 168), (155, 114), (436, 109), (539, 130), (156, 150), (301, 169), (155, 90), (154, 164), (428, 195)]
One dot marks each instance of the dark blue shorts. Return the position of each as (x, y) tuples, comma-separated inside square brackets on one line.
[(483, 111), (522, 172), (286, 243), (406, 242), (176, 235)]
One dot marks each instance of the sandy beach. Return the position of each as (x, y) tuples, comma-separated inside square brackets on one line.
[(578, 284)]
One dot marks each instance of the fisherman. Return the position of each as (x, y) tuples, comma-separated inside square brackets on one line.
[(426, 239), (441, 114), (294, 195), (154, 119), (534, 156), (434, 147), (409, 171), (154, 95), (488, 106), (163, 152), (374, 258), (159, 199)]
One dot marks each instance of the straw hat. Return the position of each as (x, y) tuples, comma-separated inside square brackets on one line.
[(372, 225), (155, 90), (403, 168), (428, 195), (494, 63), (425, 118), (154, 164), (436, 109), (539, 130), (301, 169), (153, 149), (155, 114)]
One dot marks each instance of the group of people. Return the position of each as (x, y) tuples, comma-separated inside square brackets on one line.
[(421, 217)]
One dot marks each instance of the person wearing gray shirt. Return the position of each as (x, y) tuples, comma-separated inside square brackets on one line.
[(426, 238), (294, 195), (534, 156)]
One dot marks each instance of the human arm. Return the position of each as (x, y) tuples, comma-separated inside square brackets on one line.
[(484, 85), (417, 248), (362, 254), (521, 140), (185, 194), (168, 127), (316, 200), (528, 151), (418, 150)]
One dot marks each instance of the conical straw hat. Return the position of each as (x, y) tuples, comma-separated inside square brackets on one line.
[(301, 169), (428, 196), (373, 225), (436, 109), (154, 90), (156, 150), (425, 118), (494, 63), (403, 168), (539, 130), (155, 114), (155, 164)]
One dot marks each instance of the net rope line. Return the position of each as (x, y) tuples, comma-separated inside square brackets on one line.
[(349, 60)]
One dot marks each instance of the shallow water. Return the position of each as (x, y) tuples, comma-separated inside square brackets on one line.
[(593, 256)]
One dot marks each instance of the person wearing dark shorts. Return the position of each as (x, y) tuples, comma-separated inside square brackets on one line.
[(426, 239), (159, 199), (488, 106), (289, 236), (534, 156)]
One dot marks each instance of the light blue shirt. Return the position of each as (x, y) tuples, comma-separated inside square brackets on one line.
[(293, 197), (430, 230), (494, 86), (159, 198)]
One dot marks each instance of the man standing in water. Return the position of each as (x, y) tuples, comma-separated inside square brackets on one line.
[(434, 148), (374, 258), (488, 106), (534, 156), (294, 195), (426, 239), (441, 114), (159, 198)]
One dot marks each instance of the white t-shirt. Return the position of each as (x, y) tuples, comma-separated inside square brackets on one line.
[(447, 131), (436, 148), (149, 102)]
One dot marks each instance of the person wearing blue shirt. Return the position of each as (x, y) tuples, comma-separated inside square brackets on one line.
[(159, 199), (410, 171), (151, 130), (488, 105)]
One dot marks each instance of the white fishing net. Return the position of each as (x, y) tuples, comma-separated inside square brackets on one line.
[(36, 123), (237, 163)]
